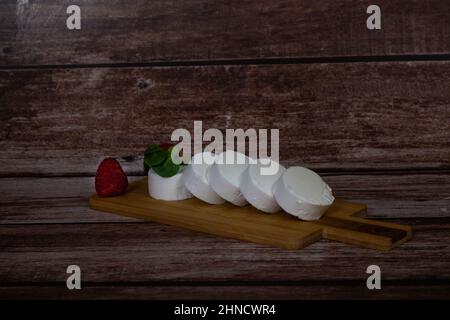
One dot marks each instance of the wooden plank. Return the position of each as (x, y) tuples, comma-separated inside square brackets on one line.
[(203, 29), (64, 199), (151, 252), (50, 200), (331, 290), (330, 116), (340, 222)]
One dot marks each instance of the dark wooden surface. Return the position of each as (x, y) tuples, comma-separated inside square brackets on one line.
[(46, 226), (376, 127), (170, 30), (385, 115), (63, 199), (291, 291)]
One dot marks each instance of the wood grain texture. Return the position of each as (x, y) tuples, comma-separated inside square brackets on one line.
[(64, 199), (130, 252), (341, 222), (51, 200), (223, 220), (330, 116), (353, 290), (204, 29), (342, 118)]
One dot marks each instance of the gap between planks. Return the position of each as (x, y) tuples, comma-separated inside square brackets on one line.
[(241, 62), (321, 171), (232, 283)]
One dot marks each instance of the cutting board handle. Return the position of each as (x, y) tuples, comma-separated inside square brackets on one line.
[(363, 232)]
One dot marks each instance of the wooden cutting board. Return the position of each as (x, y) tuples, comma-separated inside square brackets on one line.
[(341, 222)]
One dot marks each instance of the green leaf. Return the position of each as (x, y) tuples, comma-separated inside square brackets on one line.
[(152, 148), (155, 158), (160, 161), (167, 169)]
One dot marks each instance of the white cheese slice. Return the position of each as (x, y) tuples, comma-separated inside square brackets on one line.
[(195, 178), (257, 188), (225, 176), (171, 188), (302, 193)]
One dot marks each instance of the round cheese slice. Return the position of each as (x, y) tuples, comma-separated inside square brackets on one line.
[(171, 188), (257, 187), (225, 176), (302, 193), (195, 178)]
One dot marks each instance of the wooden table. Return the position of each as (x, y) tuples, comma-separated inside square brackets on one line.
[(369, 110)]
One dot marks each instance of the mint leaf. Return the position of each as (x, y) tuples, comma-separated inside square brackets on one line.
[(155, 158), (167, 169), (152, 148), (159, 160)]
